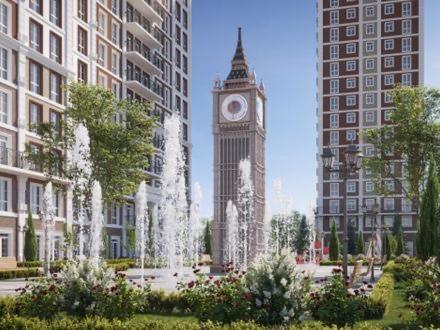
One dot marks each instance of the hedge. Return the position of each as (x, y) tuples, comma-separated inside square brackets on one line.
[(19, 273), (383, 290), (56, 266), (339, 263), (104, 324)]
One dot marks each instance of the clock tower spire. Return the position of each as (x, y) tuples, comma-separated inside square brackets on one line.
[(239, 130)]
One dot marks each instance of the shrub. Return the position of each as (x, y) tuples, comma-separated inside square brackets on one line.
[(159, 302), (276, 290), (19, 273), (35, 263), (383, 290), (8, 307), (30, 240)]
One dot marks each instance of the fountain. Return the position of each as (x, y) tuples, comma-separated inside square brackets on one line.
[(47, 214), (173, 216), (232, 233), (97, 224), (195, 225), (141, 225)]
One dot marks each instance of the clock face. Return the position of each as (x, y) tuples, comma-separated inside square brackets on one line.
[(260, 112), (234, 107)]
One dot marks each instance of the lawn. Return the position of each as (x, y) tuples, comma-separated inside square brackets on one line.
[(164, 317)]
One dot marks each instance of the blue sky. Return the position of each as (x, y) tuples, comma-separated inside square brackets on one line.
[(279, 41)]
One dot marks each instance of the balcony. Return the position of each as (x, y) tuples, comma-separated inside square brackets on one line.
[(145, 7), (143, 85), (142, 28), (142, 57)]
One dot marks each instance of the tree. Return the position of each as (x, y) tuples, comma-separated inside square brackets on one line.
[(428, 222), (284, 228), (351, 233), (414, 137), (30, 240), (118, 149), (334, 243), (388, 246), (207, 238), (302, 237), (400, 244), (360, 246), (131, 239)]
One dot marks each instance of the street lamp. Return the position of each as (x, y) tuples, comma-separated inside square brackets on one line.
[(373, 212), (352, 163)]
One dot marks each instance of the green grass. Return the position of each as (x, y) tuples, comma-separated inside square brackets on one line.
[(164, 317)]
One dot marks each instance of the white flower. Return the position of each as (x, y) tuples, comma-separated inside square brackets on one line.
[(286, 295), (283, 281), (267, 294), (284, 311), (286, 318), (258, 302)]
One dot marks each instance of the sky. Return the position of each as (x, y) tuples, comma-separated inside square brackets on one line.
[(279, 38)]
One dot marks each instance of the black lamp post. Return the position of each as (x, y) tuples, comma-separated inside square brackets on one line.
[(372, 212), (351, 164)]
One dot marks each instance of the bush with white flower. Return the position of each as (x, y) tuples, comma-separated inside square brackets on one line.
[(277, 290)]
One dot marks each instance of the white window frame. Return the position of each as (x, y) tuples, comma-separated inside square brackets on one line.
[(406, 221), (389, 44), (406, 9), (389, 79), (5, 112), (350, 66), (8, 200), (102, 54), (334, 17), (350, 31), (370, 11), (350, 83), (102, 19), (334, 138), (334, 120), (115, 36), (370, 98), (5, 12), (369, 116), (350, 117), (389, 62), (369, 46), (369, 81), (407, 26), (351, 187), (389, 26), (370, 29), (351, 48), (351, 13), (389, 185), (406, 45), (334, 189), (387, 115), (369, 151), (406, 79), (115, 58), (334, 206), (406, 62), (350, 100), (334, 103), (53, 89), (370, 64), (334, 69), (4, 71), (388, 97), (350, 134), (351, 204), (388, 204), (369, 186), (102, 79), (334, 34), (334, 86), (334, 52), (389, 9), (35, 205)]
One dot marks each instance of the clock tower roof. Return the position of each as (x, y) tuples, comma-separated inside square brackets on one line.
[(239, 75)]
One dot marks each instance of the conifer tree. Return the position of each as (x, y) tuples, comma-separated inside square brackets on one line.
[(302, 237), (360, 243), (351, 233), (400, 244), (334, 243), (30, 241)]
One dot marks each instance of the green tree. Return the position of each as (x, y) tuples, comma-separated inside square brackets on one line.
[(118, 149), (389, 246), (414, 136), (400, 244), (207, 238), (334, 243), (131, 239), (428, 223), (360, 246), (302, 237), (351, 233), (30, 240)]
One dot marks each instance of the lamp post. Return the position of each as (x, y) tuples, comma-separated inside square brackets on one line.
[(351, 164), (373, 212)]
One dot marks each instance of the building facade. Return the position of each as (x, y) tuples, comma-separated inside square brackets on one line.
[(365, 48), (140, 49), (239, 128)]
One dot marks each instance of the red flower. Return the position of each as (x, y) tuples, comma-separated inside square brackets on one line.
[(211, 277), (195, 271), (191, 284), (200, 264), (248, 296)]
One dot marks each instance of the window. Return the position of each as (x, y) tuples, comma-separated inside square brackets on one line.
[(350, 100), (82, 72), (406, 205), (370, 64), (35, 82), (351, 13), (334, 189), (370, 99), (334, 3), (350, 83), (82, 40), (56, 201), (351, 204), (35, 34), (334, 121), (406, 9), (35, 193), (389, 26), (388, 97), (351, 48), (406, 79), (4, 239), (5, 194), (369, 81), (389, 221), (4, 18), (334, 17), (406, 45), (4, 63), (185, 86), (369, 46), (350, 118), (370, 29), (116, 89), (334, 138), (185, 63), (350, 31), (389, 62), (102, 51), (389, 44), (55, 87), (369, 116), (370, 11), (351, 187), (4, 107), (334, 86), (35, 115), (334, 52), (115, 63), (406, 26), (185, 41), (178, 34), (55, 47), (389, 9), (334, 34), (388, 204), (334, 103), (369, 151), (406, 221), (351, 135), (369, 203), (55, 119), (406, 62), (114, 215), (389, 185), (369, 186), (115, 33), (82, 10), (102, 22), (102, 80), (185, 19), (389, 79), (334, 206), (55, 12), (115, 7), (334, 69), (350, 65), (36, 5), (178, 58), (387, 115)]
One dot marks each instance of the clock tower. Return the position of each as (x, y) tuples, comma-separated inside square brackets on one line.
[(239, 128)]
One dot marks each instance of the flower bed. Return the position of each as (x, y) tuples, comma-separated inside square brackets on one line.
[(19, 273)]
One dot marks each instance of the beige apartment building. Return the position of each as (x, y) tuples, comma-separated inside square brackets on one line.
[(140, 49), (365, 47)]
